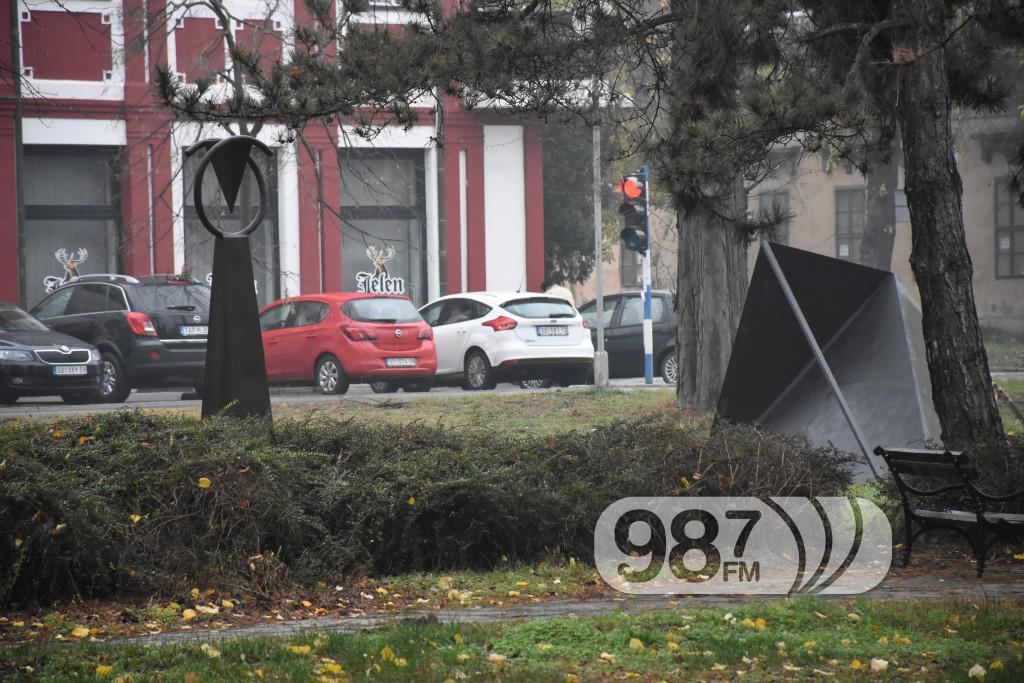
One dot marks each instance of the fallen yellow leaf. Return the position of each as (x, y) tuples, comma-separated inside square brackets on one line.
[(194, 593), (636, 645), (672, 646), (760, 624), (879, 665), (227, 604), (80, 632), (135, 518), (300, 649), (856, 664), (204, 482), (56, 433), (387, 654), (307, 603), (902, 640), (188, 614), (104, 670), (411, 501), (82, 440), (544, 646), (210, 652), (332, 667), (497, 661)]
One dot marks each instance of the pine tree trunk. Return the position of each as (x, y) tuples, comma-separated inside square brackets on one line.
[(957, 363), (712, 286)]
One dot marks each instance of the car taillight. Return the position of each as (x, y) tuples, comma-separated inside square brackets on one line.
[(501, 324), (356, 333), (425, 334), (140, 324), (586, 325)]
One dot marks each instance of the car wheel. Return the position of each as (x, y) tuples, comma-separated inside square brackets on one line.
[(535, 383), (670, 367), (419, 386), (114, 386), (330, 376), (478, 373), (382, 387)]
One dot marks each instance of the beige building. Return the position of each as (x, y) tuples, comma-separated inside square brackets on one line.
[(827, 200)]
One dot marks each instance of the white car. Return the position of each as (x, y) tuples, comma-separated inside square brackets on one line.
[(486, 337)]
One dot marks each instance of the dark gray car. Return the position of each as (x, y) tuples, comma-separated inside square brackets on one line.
[(624, 333)]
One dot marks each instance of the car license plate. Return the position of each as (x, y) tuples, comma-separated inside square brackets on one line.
[(70, 370), (400, 362), (552, 331), (194, 330)]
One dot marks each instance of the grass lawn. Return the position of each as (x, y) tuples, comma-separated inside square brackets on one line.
[(1005, 356), (1014, 388), (799, 640), (547, 412)]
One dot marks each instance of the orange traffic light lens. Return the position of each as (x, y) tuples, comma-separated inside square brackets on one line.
[(631, 187)]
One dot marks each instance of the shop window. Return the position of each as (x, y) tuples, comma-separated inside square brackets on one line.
[(72, 216), (849, 223), (264, 241), (1009, 231), (383, 222), (630, 267)]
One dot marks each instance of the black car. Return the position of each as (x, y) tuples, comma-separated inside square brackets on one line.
[(150, 331), (624, 333), (36, 361)]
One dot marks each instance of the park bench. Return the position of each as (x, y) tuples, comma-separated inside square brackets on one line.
[(951, 501)]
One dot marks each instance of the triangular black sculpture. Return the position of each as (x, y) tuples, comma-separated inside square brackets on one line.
[(832, 350)]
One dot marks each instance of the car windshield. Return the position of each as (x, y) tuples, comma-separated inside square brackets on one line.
[(382, 310), (540, 307), (171, 297), (14, 319)]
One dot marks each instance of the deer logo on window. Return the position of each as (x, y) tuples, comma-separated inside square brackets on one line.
[(70, 264), (380, 259), (380, 280)]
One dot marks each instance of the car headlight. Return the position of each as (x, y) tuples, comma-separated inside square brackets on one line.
[(94, 354), (12, 354)]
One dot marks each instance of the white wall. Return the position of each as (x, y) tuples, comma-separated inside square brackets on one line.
[(504, 208)]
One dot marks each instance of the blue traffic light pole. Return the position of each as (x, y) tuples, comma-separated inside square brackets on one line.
[(646, 268)]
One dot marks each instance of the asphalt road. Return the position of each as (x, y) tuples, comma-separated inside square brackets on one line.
[(29, 406)]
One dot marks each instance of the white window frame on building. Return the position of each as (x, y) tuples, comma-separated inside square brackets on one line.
[(847, 223)]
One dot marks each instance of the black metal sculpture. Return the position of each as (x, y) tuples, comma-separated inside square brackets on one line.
[(236, 373), (833, 350)]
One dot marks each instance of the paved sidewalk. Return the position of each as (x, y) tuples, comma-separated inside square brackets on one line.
[(996, 587)]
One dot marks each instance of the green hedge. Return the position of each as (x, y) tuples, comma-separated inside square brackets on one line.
[(108, 504)]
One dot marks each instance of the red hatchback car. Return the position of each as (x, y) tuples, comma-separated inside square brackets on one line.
[(335, 339)]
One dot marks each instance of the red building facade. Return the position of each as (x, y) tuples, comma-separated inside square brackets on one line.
[(104, 177)]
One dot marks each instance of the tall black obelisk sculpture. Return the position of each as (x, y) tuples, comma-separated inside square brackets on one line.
[(236, 373)]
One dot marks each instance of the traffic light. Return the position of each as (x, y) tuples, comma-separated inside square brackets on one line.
[(634, 212)]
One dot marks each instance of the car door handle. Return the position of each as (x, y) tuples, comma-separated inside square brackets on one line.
[(310, 336), (271, 343)]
